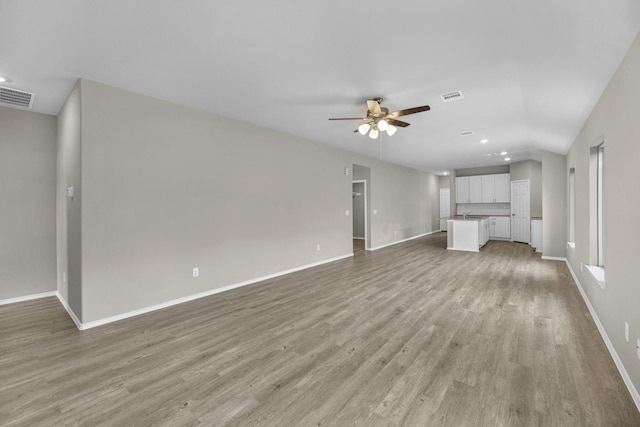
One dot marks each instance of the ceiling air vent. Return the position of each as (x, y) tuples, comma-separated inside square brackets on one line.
[(452, 96), (16, 98), (466, 133)]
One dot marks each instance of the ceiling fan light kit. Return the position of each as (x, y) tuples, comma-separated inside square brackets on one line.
[(379, 119)]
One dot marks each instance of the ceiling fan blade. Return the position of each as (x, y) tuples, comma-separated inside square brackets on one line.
[(350, 118), (409, 111), (398, 123), (373, 106)]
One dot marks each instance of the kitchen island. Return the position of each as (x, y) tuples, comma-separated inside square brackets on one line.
[(468, 233)]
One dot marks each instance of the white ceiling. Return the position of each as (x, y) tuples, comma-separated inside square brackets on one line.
[(530, 71)]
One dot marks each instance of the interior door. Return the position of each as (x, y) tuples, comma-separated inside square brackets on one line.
[(520, 214), (445, 207)]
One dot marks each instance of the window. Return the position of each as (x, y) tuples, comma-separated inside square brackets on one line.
[(596, 213), (572, 208), (600, 198)]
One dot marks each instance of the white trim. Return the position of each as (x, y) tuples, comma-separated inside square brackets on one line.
[(358, 238), (553, 258), (623, 372), (597, 273), (111, 319), (404, 240), (27, 297), (70, 311)]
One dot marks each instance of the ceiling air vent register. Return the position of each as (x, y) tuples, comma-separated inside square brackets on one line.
[(17, 98), (452, 96)]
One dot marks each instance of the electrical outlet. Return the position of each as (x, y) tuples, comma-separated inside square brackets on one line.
[(375, 211), (196, 271), (346, 171), (318, 247), (581, 265), (626, 331), (346, 213)]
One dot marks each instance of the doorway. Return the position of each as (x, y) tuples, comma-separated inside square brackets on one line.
[(359, 209), (520, 214)]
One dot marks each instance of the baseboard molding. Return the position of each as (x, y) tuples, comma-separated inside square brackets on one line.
[(144, 310), (553, 258), (404, 240), (623, 372), (358, 238), (70, 312), (27, 297)]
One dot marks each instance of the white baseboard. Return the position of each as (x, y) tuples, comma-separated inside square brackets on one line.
[(111, 319), (27, 297), (358, 238), (623, 372), (553, 258), (402, 241), (71, 313)]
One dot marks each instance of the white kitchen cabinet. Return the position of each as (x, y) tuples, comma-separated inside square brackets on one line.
[(502, 188), (483, 189), (488, 188), (475, 189), (462, 189), (500, 228), (483, 232)]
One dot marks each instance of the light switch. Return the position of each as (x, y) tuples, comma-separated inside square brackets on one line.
[(346, 213), (375, 211)]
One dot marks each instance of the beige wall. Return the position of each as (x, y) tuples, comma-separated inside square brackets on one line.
[(166, 188), (554, 205), (27, 213), (69, 211), (614, 118)]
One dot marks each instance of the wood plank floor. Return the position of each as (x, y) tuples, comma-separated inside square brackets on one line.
[(408, 335)]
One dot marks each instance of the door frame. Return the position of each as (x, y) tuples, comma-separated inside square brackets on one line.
[(366, 210)]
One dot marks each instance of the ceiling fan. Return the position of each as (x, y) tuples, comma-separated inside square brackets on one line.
[(379, 119)]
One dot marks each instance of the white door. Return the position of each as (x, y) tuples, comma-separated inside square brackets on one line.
[(520, 216), (445, 207)]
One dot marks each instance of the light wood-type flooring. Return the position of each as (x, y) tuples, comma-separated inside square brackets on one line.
[(410, 335)]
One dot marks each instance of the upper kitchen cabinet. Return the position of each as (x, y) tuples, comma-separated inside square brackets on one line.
[(475, 189), (502, 188), (462, 189), (469, 189), (483, 189), (495, 188)]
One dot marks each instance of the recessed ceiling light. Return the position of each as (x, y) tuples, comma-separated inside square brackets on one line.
[(484, 141), (445, 173), (506, 159), (2, 79), (503, 153)]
